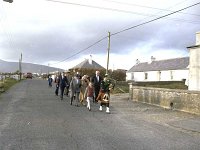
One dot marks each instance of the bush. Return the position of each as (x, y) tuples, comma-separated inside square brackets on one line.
[(119, 75)]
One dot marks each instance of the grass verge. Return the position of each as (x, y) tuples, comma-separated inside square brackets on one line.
[(8, 83), (123, 87)]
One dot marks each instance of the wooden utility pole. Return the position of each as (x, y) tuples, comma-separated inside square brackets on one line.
[(19, 70), (20, 67), (48, 70), (108, 52)]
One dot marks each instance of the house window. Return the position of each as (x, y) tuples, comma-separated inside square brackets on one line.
[(171, 75), (132, 76), (159, 75), (145, 76)]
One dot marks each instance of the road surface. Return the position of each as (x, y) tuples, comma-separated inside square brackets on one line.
[(33, 118)]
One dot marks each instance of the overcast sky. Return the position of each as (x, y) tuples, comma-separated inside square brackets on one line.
[(48, 31)]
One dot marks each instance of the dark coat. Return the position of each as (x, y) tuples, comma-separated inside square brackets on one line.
[(95, 82), (63, 81)]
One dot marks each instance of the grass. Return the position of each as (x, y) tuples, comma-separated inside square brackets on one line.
[(164, 84), (123, 87), (9, 83)]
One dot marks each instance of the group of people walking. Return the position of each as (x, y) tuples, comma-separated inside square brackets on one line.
[(83, 89)]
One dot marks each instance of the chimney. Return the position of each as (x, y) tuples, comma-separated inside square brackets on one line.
[(90, 60), (197, 38), (153, 58), (137, 61)]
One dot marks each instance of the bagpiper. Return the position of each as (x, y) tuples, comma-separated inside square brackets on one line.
[(104, 93)]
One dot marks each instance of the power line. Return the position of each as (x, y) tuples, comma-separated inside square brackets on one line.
[(155, 19), (81, 50), (119, 10), (174, 19), (148, 7), (125, 29), (126, 11), (97, 7)]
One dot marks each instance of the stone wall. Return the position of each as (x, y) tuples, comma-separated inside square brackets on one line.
[(183, 100)]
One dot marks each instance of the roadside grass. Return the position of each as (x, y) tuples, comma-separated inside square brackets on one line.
[(7, 84), (123, 87), (164, 84), (171, 86)]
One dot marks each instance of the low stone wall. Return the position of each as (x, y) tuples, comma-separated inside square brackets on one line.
[(183, 100)]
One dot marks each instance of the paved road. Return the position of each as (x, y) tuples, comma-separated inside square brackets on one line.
[(33, 118)]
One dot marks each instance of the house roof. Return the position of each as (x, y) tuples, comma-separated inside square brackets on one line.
[(87, 65), (168, 64), (195, 46)]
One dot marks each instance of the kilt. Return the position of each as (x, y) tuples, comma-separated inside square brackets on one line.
[(103, 97)]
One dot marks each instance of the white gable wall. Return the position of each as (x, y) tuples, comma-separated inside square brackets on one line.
[(129, 76), (194, 77), (168, 75)]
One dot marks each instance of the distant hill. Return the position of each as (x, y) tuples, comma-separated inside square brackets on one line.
[(26, 67)]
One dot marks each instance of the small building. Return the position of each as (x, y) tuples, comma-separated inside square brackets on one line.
[(176, 69), (88, 64)]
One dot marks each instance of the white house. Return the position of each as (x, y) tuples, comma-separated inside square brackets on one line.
[(176, 69)]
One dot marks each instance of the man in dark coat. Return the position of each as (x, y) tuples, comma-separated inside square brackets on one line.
[(57, 82), (96, 80), (69, 78), (63, 83)]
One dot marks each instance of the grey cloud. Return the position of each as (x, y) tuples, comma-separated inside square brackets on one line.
[(59, 41)]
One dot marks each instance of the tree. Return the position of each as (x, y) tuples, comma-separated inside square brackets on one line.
[(118, 75)]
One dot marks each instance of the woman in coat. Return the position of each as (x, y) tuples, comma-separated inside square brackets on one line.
[(84, 84)]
